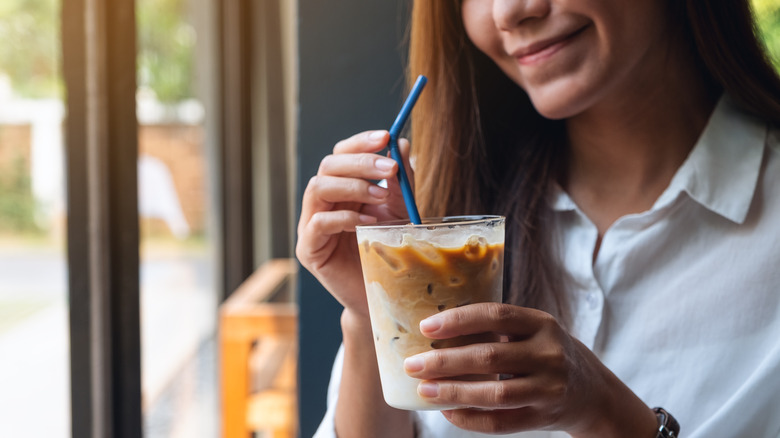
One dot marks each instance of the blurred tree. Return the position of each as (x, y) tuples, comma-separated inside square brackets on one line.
[(165, 50), (17, 204), (768, 17), (30, 49)]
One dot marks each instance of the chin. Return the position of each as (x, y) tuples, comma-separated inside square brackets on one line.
[(557, 104), (554, 111)]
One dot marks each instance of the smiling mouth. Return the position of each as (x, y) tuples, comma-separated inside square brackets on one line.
[(542, 50)]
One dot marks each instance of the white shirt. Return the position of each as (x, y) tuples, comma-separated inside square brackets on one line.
[(683, 300)]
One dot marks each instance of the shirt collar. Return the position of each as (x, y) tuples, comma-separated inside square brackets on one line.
[(722, 170), (559, 200), (720, 173)]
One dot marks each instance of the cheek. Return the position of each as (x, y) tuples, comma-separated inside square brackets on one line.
[(480, 28), (481, 31)]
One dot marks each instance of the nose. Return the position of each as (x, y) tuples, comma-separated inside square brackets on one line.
[(508, 14)]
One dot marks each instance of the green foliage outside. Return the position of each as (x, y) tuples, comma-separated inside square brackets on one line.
[(767, 14), (166, 43), (29, 48), (30, 57), (17, 204)]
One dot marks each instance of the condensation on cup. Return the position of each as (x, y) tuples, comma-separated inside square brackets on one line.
[(414, 271)]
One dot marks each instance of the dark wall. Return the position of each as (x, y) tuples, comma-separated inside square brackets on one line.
[(351, 79)]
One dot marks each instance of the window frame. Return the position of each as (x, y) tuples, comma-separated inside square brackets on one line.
[(101, 138), (101, 150)]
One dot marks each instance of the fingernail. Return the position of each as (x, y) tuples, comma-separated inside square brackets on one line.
[(384, 164), (428, 389), (377, 192), (376, 135), (366, 219), (413, 364), (430, 324)]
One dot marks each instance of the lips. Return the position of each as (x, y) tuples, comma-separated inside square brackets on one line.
[(540, 50)]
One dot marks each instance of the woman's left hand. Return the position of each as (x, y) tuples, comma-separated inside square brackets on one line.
[(550, 381)]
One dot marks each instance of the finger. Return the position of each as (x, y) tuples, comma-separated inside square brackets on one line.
[(323, 192), (515, 358), (318, 232), (366, 166), (503, 319), (490, 394), (367, 141), (333, 189), (496, 422)]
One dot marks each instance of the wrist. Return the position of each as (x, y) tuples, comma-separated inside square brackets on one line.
[(361, 410), (640, 422), (355, 327), (619, 412)]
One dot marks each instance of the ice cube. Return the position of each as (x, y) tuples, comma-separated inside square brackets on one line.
[(423, 248), (476, 247)]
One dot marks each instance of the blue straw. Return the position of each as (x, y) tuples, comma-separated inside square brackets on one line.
[(395, 131)]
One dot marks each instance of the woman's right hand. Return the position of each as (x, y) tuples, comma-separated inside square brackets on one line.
[(339, 197)]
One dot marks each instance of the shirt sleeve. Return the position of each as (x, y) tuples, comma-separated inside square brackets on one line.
[(327, 427)]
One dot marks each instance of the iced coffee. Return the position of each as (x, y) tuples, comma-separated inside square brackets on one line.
[(414, 271)]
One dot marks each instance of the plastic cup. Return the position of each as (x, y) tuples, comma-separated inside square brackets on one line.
[(414, 271)]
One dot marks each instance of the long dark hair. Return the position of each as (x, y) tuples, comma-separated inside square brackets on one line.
[(480, 146)]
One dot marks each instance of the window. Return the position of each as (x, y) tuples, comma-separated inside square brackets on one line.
[(33, 270), (109, 106), (177, 205), (159, 148)]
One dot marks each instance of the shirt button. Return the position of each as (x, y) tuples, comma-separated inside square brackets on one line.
[(592, 300)]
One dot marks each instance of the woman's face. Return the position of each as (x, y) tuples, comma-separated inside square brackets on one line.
[(570, 55)]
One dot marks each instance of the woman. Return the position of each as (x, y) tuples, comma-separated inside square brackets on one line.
[(633, 147)]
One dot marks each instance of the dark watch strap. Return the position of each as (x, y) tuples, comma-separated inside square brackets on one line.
[(668, 427)]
